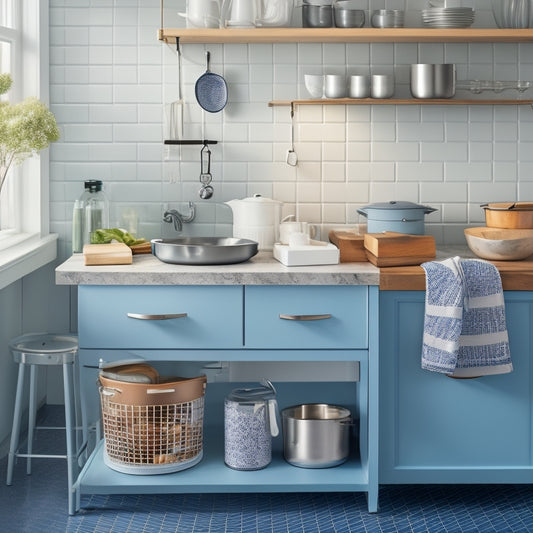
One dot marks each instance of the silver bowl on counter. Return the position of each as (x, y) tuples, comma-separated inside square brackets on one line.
[(204, 250)]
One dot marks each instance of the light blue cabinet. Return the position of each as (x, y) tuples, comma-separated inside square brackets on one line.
[(436, 429), (237, 323)]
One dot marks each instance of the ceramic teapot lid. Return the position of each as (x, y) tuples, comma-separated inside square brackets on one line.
[(258, 199)]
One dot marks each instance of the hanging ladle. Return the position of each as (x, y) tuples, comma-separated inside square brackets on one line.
[(292, 156), (206, 191)]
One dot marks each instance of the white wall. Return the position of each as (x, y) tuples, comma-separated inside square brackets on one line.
[(111, 81), (32, 304)]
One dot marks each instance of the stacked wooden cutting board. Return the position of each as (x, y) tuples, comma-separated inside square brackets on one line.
[(115, 253), (384, 249)]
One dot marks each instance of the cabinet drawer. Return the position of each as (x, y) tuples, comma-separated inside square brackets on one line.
[(298, 317), (213, 316)]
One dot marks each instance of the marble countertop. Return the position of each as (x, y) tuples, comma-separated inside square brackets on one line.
[(262, 269)]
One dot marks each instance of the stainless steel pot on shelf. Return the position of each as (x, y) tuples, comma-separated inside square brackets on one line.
[(316, 435)]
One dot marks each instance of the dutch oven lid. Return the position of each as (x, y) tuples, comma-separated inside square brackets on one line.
[(396, 205)]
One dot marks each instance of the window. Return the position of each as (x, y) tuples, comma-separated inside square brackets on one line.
[(23, 45), (24, 209)]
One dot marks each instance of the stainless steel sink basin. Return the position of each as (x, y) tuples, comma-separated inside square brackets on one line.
[(204, 250)]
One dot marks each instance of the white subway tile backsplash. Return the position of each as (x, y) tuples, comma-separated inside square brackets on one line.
[(358, 151), (391, 151), (502, 171), (491, 192), (76, 55), (112, 152), (471, 171), (450, 151), (100, 55), (510, 152), (334, 213), (112, 84), (333, 172), (98, 74), (426, 172)]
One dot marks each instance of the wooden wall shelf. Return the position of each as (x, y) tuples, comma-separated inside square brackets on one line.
[(398, 101), (348, 35)]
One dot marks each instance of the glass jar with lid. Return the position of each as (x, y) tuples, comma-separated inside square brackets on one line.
[(250, 422)]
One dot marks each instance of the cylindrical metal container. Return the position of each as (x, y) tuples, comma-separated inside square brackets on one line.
[(346, 16), (359, 86), (444, 80), (382, 86), (335, 86), (422, 85), (510, 215), (317, 14), (316, 435)]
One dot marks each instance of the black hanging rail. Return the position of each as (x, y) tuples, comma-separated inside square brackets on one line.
[(189, 142)]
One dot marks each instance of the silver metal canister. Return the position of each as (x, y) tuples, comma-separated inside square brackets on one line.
[(422, 85), (430, 80), (444, 80), (249, 425)]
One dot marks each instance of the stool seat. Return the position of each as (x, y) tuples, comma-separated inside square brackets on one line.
[(45, 349)]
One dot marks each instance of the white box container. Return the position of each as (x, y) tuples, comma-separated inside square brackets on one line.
[(309, 254)]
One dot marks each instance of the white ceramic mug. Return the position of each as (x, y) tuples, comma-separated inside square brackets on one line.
[(243, 13), (203, 13), (288, 228)]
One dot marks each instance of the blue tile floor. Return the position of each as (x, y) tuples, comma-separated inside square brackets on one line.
[(38, 504)]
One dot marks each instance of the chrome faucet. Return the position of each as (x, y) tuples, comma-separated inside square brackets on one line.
[(178, 219)]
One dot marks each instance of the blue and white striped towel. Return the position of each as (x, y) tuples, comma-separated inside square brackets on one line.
[(465, 333)]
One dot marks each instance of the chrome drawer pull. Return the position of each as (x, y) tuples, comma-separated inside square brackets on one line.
[(305, 318), (156, 317)]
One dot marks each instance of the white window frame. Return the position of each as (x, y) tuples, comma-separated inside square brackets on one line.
[(30, 245)]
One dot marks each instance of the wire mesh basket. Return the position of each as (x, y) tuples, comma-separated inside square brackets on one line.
[(152, 428)]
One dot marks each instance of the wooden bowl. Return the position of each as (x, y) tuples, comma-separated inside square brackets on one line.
[(500, 244)]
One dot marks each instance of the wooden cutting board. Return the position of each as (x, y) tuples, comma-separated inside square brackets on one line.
[(107, 254), (391, 244), (398, 261), (350, 245)]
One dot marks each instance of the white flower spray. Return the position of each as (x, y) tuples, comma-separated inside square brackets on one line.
[(26, 128)]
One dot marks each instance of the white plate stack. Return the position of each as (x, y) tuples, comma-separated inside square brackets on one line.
[(448, 17)]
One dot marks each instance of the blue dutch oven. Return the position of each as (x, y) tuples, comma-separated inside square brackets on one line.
[(402, 217)]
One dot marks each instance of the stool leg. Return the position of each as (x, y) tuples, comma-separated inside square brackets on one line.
[(14, 444), (67, 386), (32, 414)]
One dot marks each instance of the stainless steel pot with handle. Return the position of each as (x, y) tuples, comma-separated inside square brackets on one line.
[(316, 435)]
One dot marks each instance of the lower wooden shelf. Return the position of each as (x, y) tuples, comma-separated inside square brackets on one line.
[(398, 101), (211, 475)]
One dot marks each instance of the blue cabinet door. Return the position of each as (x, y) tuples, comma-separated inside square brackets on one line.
[(436, 429)]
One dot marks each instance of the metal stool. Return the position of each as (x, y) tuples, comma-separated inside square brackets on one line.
[(42, 349)]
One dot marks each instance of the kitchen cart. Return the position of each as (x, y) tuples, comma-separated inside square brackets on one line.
[(239, 322)]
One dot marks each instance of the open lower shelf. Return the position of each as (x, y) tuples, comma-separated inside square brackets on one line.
[(354, 35), (399, 101), (212, 475)]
